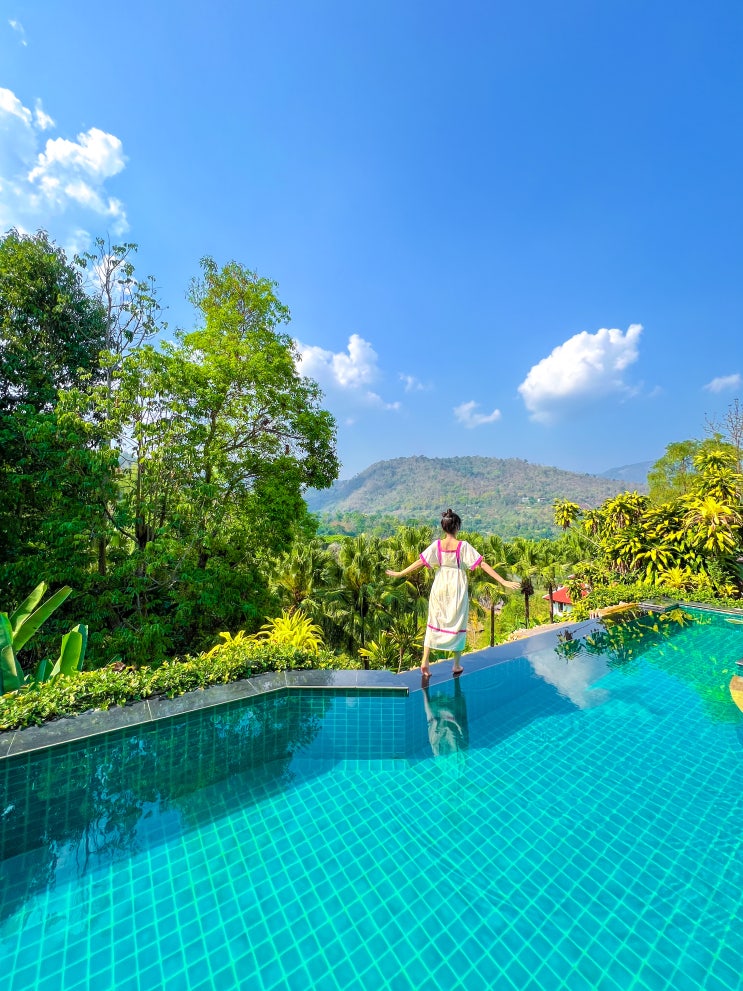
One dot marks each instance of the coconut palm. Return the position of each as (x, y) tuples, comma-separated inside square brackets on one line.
[(526, 564), (298, 576), (487, 595), (358, 593), (406, 634), (552, 574)]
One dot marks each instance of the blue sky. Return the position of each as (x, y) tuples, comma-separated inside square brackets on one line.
[(511, 230)]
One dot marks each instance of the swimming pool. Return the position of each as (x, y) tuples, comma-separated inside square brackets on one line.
[(578, 828)]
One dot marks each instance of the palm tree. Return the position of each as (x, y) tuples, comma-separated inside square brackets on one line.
[(552, 574), (487, 594), (526, 564), (297, 577), (406, 633), (356, 596)]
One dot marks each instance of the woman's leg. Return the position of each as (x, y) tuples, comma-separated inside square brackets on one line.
[(425, 666), (457, 668)]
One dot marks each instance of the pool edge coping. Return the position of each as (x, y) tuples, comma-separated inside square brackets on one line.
[(99, 722)]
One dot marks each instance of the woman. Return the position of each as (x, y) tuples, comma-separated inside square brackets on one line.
[(448, 604)]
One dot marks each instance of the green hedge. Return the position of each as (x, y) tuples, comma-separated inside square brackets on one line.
[(612, 595), (105, 687)]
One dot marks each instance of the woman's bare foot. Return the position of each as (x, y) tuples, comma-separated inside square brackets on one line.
[(456, 671), (425, 671)]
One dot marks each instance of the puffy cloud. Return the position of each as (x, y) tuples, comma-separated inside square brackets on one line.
[(724, 383), (11, 106), (584, 368), (345, 375), (348, 369), (467, 416), (63, 179)]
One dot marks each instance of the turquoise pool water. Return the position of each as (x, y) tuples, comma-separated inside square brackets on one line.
[(580, 828)]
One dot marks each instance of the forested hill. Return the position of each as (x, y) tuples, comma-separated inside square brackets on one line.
[(509, 496)]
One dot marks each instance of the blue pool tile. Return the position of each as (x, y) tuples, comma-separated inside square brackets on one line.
[(591, 854)]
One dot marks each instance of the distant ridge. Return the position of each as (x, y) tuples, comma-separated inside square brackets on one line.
[(509, 496), (637, 473)]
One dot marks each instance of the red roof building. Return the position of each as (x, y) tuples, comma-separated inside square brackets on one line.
[(561, 598)]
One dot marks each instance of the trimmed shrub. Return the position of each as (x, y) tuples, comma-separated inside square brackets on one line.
[(104, 687)]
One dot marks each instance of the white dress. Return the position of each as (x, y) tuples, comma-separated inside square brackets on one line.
[(448, 604)]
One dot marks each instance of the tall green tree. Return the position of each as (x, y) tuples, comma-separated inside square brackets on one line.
[(51, 331), (51, 337), (217, 436), (675, 474)]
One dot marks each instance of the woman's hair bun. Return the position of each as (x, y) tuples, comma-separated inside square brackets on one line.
[(450, 521)]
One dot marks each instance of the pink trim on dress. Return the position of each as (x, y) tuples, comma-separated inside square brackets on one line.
[(476, 564), (425, 561), (438, 629), (438, 549)]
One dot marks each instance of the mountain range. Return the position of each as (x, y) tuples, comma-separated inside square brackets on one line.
[(510, 497)]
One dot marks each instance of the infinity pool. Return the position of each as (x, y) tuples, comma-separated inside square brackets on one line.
[(568, 819)]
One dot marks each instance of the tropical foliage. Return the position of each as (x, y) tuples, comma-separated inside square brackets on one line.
[(118, 685), (17, 629), (690, 543)]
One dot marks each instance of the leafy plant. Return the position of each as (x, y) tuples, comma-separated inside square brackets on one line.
[(292, 630), (241, 637), (379, 653), (110, 686), (18, 628)]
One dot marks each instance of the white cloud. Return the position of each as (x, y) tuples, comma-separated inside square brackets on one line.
[(12, 106), (357, 366), (723, 383), (62, 181), (584, 368), (412, 384), (19, 29), (466, 415), (43, 120), (375, 400), (345, 375)]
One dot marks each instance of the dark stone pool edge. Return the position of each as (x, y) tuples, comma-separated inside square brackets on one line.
[(97, 722)]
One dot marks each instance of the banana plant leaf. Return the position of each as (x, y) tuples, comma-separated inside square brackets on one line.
[(72, 653), (43, 671), (19, 617), (31, 624), (11, 674)]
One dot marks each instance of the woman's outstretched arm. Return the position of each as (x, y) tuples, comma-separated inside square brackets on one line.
[(410, 568), (494, 574)]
